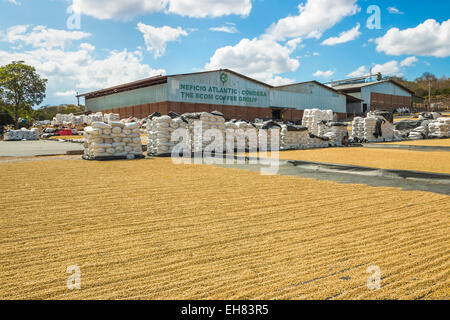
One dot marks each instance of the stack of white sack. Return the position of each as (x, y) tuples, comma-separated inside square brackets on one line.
[(203, 122), (114, 140), (439, 128), (317, 142), (111, 117), (337, 132), (293, 137), (160, 130), (96, 117), (23, 134), (378, 129), (243, 132), (358, 128), (420, 132), (269, 136), (30, 135), (312, 118)]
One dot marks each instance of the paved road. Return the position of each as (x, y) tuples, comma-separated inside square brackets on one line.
[(36, 148)]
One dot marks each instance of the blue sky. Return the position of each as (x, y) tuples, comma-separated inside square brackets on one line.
[(273, 41)]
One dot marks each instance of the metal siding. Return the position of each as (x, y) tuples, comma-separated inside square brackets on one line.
[(140, 96), (383, 88), (302, 101)]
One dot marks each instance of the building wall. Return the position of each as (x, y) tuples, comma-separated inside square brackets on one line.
[(218, 88), (386, 88), (157, 93), (230, 112), (308, 96), (235, 96), (354, 108)]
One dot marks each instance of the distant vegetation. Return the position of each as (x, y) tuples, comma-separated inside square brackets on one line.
[(440, 87), (49, 112)]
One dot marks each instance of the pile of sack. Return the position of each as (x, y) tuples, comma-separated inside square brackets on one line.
[(23, 134), (439, 128), (357, 128), (420, 132), (317, 142), (372, 129), (293, 137), (312, 118), (336, 132), (111, 117), (159, 130), (429, 116), (242, 134), (113, 140), (269, 131)]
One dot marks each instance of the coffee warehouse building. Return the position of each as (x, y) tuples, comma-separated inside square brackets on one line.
[(233, 94)]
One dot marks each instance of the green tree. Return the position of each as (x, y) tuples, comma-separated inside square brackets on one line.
[(379, 76), (21, 88)]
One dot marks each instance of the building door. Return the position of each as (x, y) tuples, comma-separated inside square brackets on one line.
[(276, 114), (364, 107)]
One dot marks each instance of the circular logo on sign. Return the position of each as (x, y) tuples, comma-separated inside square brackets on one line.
[(224, 78)]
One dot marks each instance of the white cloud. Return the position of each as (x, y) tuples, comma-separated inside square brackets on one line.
[(360, 72), (427, 39), (408, 62), (78, 69), (293, 44), (389, 68), (69, 93), (87, 47), (314, 18), (210, 8), (230, 28), (126, 10), (316, 54), (41, 36), (118, 9), (156, 38), (15, 2), (323, 74), (261, 59), (344, 37), (394, 10)]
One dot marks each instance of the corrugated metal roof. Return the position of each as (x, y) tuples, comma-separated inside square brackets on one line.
[(357, 86), (157, 80)]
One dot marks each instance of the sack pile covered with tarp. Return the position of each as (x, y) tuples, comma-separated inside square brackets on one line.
[(336, 132), (420, 132), (429, 116), (404, 128), (439, 128), (312, 118), (159, 130), (372, 129), (293, 137), (269, 131), (115, 140), (317, 142), (23, 134)]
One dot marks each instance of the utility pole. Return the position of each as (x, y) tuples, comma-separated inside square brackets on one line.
[(429, 94), (78, 99)]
